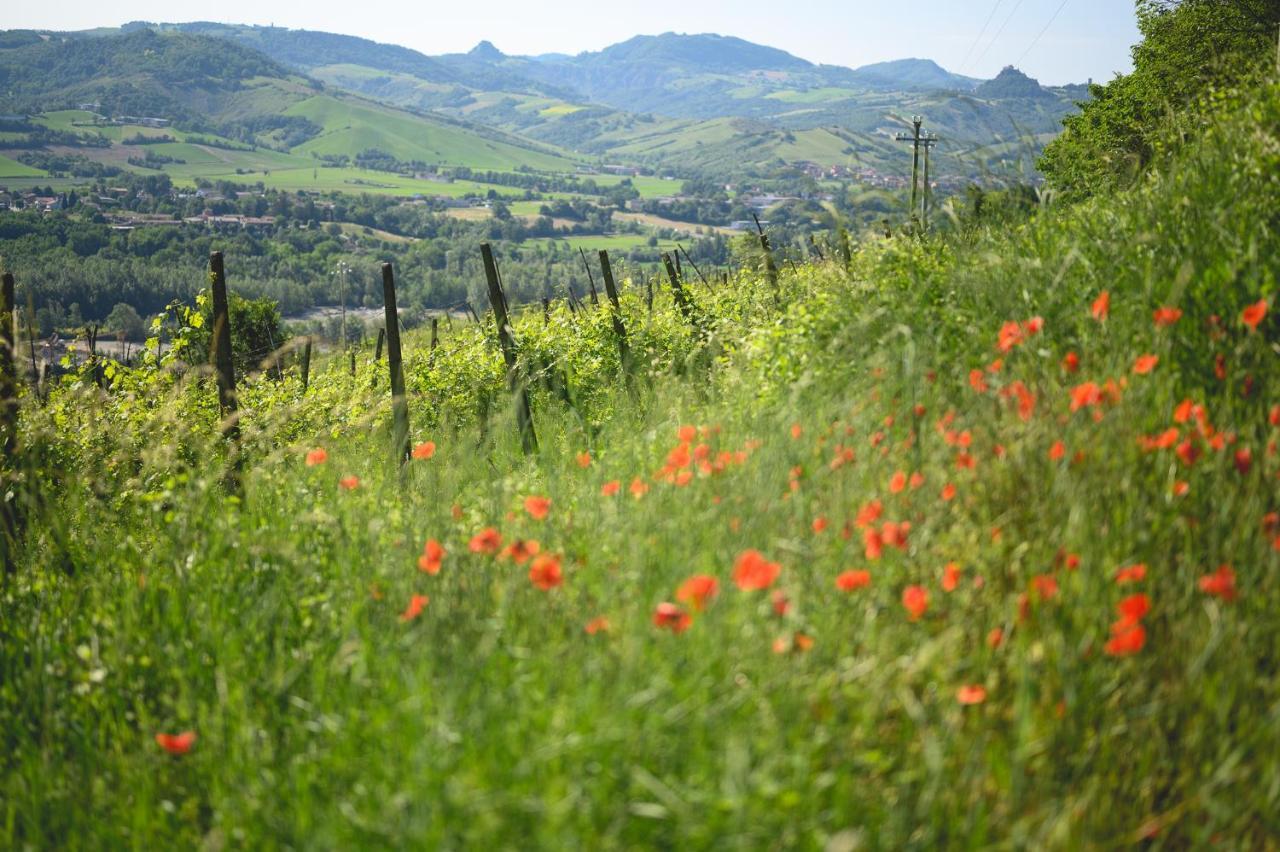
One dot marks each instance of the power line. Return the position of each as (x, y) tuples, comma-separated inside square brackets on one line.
[(990, 18), (1036, 40), (995, 38)]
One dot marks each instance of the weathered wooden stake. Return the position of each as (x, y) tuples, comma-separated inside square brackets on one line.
[(435, 333), (524, 416), (8, 420), (223, 364), (306, 365), (591, 279), (8, 372), (353, 362), (377, 355), (546, 311), (677, 290), (615, 310), (680, 249), (770, 268), (399, 402)]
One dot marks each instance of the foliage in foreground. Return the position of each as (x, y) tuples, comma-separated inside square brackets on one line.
[(967, 543)]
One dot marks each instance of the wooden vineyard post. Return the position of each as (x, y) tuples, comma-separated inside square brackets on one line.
[(591, 279), (223, 364), (399, 402), (377, 354), (615, 311), (435, 333), (680, 250), (770, 268), (546, 311), (8, 372), (8, 419), (677, 290), (306, 365), (353, 362), (524, 416)]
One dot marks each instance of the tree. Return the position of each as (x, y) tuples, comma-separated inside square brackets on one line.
[(124, 319), (1188, 48)]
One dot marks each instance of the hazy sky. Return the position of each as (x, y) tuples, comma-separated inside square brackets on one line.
[(1088, 38)]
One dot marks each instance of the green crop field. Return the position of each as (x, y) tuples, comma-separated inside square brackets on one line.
[(10, 168)]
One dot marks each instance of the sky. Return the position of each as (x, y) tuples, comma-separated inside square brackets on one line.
[(1056, 41)]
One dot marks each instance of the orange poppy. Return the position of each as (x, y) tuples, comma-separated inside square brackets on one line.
[(687, 433), (317, 456), (870, 513), (599, 624), (897, 483), (432, 556), (977, 381), (780, 603), (1145, 364), (1221, 583), (1131, 574), (545, 572), (1101, 306), (1126, 639), (819, 525), (916, 601), (1071, 362), (610, 488), (414, 609), (752, 572), (850, 581), (697, 590), (671, 617), (176, 743), (948, 492), (424, 451), (584, 460), (537, 507), (1134, 608), (971, 694), (639, 488), (521, 551), (1045, 585), (1167, 316), (1254, 314), (950, 576), (488, 541), (796, 431), (1057, 451)]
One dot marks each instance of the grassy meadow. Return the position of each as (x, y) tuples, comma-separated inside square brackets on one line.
[(970, 541)]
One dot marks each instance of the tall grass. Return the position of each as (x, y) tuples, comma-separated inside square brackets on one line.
[(149, 601)]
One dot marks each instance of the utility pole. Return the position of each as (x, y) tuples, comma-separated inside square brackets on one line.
[(928, 140), (914, 139)]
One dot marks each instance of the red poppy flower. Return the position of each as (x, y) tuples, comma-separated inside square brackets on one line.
[(895, 534), (1188, 452), (521, 551), (1071, 362), (1126, 639), (584, 460), (1033, 326), (1145, 364), (1274, 418), (873, 544), (1085, 395), (1046, 586), (1057, 451), (1134, 608), (780, 603), (971, 694), (687, 433), (977, 381), (950, 576), (752, 572), (796, 431), (599, 624), (1163, 441), (639, 488), (915, 481), (424, 451), (1101, 306), (1254, 314), (870, 513), (487, 541), (948, 492), (545, 572), (1010, 336), (176, 743), (995, 638), (897, 483), (671, 617), (916, 601), (432, 556), (349, 483), (1131, 574), (1167, 316), (1221, 583), (851, 581), (316, 456), (610, 488), (1244, 460), (537, 507), (414, 609), (697, 590), (819, 525)]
